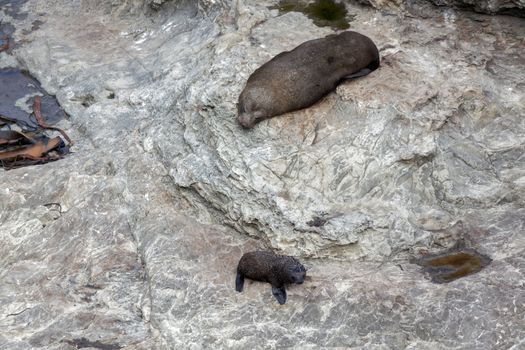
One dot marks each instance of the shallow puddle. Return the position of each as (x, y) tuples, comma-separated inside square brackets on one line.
[(324, 13), (6, 31), (24, 140), (17, 89), (451, 265), (27, 111), (13, 8)]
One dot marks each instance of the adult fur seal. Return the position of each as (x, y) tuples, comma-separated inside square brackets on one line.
[(297, 79), (278, 270)]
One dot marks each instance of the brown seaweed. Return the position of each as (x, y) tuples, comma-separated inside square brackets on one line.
[(451, 265)]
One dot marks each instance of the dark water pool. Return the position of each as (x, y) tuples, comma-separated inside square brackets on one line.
[(18, 88)]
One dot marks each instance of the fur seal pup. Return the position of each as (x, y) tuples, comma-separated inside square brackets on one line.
[(297, 79), (278, 270)]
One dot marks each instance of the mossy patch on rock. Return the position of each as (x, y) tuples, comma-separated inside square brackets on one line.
[(324, 13)]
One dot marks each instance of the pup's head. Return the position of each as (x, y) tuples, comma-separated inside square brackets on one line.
[(297, 272)]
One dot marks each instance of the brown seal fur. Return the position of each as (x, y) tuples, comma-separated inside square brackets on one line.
[(297, 79), (278, 270)]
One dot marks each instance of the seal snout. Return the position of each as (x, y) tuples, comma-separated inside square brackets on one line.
[(246, 121), (300, 279), (298, 274)]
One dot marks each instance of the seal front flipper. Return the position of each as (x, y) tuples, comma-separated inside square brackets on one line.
[(239, 282), (280, 294)]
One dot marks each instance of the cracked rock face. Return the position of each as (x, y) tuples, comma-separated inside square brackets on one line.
[(507, 7), (511, 7), (133, 239)]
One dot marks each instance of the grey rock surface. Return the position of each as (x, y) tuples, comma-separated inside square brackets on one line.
[(132, 241), (511, 7), (506, 7)]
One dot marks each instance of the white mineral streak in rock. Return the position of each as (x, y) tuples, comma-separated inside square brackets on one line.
[(104, 249)]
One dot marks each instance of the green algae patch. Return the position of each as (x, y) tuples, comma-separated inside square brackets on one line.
[(451, 265), (328, 13), (324, 13), (288, 6)]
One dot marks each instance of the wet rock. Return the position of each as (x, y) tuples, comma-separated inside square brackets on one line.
[(17, 90)]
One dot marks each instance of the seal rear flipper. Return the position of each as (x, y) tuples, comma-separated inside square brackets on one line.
[(359, 73), (239, 282), (280, 294)]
